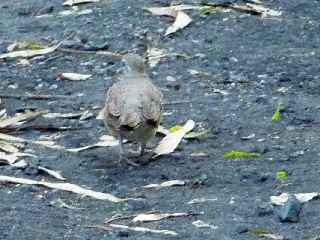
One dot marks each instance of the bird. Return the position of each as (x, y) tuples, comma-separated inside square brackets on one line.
[(133, 106)]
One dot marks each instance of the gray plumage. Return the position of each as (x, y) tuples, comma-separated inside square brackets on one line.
[(133, 105)]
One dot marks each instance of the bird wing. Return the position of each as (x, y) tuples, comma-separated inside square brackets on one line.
[(113, 100), (151, 105)]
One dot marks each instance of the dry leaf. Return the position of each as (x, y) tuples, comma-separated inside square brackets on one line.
[(86, 115), (143, 229), (23, 62), (61, 204), (18, 119), (301, 197), (62, 115), (271, 236), (20, 164), (13, 158), (154, 56), (83, 115), (45, 143), (202, 200), (265, 12), (170, 142), (8, 147), (170, 11), (74, 76), (64, 187), (256, 9), (3, 113), (202, 224), (182, 20), (105, 141), (52, 173), (28, 53), (150, 217), (170, 183), (75, 2), (163, 130)]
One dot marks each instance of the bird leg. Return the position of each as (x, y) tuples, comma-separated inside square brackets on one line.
[(122, 155), (142, 148)]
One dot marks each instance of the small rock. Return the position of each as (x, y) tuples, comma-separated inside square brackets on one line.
[(241, 229), (123, 233), (289, 212), (173, 84), (31, 171), (264, 209)]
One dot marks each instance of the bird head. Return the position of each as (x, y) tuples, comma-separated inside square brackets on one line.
[(134, 62)]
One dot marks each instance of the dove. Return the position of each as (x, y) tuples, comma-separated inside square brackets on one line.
[(133, 106)]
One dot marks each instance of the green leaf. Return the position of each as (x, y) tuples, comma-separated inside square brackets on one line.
[(240, 154), (281, 175), (175, 128), (277, 114)]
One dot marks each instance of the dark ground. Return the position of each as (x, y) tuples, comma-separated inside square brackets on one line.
[(249, 57)]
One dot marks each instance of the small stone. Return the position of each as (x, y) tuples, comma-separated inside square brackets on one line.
[(123, 233), (289, 212), (241, 229), (264, 209), (170, 79), (31, 171), (174, 85)]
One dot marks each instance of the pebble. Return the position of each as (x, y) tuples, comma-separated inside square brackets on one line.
[(241, 229), (289, 212), (31, 171), (264, 209)]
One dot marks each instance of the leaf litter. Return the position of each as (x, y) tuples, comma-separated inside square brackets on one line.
[(165, 184), (182, 20), (109, 227), (28, 53), (301, 197), (52, 173), (171, 141), (76, 2), (74, 76), (68, 187), (151, 217)]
